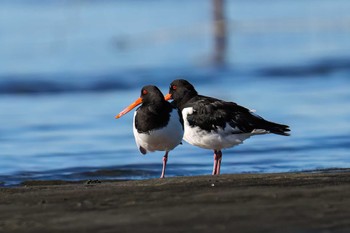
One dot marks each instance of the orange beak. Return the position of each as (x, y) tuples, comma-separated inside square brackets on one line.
[(129, 108), (168, 97)]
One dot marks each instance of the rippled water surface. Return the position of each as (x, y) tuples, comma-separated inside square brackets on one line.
[(57, 122)]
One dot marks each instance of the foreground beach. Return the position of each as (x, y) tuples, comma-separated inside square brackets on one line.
[(289, 202)]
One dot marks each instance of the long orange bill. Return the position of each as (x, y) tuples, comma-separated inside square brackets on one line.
[(168, 97), (129, 108)]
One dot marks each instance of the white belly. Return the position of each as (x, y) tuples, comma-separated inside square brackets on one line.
[(164, 139), (215, 140)]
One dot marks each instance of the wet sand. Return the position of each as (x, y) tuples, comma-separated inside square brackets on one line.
[(289, 202)]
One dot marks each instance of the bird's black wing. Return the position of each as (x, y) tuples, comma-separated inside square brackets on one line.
[(212, 114)]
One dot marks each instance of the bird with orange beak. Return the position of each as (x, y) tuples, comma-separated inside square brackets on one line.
[(216, 124), (157, 124)]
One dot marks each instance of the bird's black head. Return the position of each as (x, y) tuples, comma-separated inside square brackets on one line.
[(151, 94), (181, 91)]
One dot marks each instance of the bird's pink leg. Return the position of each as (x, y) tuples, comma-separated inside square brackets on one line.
[(217, 162), (219, 155), (165, 160)]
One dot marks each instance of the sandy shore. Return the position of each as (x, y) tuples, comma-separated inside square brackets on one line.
[(302, 202)]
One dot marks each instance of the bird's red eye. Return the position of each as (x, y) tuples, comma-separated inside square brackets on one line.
[(144, 92), (174, 87)]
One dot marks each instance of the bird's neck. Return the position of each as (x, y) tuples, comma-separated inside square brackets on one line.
[(180, 103)]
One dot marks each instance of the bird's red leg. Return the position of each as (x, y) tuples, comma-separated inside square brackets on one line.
[(165, 159), (219, 157), (215, 162)]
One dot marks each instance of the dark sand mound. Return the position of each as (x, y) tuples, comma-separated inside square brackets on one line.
[(290, 202)]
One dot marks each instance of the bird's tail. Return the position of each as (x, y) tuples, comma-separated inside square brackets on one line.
[(277, 128)]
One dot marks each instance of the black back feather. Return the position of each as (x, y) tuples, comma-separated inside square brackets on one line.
[(211, 114)]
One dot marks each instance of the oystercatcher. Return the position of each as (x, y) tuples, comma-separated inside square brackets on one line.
[(216, 124), (157, 124)]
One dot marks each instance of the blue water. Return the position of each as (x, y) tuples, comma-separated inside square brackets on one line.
[(67, 68)]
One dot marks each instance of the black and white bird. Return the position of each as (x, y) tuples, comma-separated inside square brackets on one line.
[(216, 124), (157, 124)]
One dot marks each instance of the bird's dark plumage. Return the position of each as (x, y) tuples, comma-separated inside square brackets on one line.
[(215, 124), (154, 113), (211, 113)]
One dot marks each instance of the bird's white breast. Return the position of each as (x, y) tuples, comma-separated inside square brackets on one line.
[(162, 139)]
